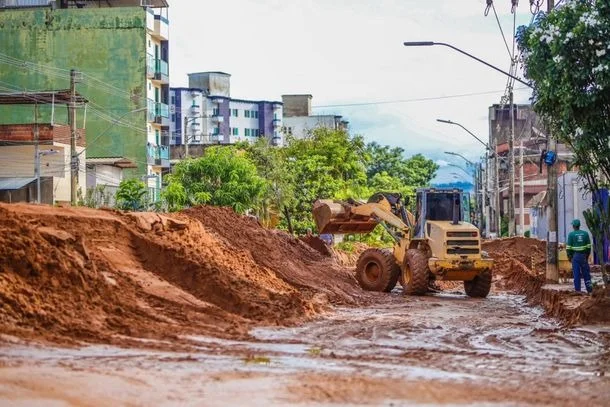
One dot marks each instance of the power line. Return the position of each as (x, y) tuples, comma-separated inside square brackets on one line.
[(386, 102)]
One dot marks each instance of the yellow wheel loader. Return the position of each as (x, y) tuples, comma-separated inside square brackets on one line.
[(435, 244)]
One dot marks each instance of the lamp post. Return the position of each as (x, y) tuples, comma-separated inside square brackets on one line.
[(188, 120), (431, 43)]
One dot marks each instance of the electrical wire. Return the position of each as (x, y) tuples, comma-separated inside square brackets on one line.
[(501, 30), (386, 102)]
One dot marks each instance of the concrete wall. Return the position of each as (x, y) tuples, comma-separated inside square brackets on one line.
[(297, 105), (213, 83), (572, 199), (108, 44), (300, 127)]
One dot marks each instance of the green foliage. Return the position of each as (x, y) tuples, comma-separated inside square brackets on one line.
[(132, 195), (94, 197), (527, 234), (272, 166), (223, 176), (327, 164), (566, 55)]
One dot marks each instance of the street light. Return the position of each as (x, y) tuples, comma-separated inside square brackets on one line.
[(431, 43), (468, 131), (460, 155), (461, 168)]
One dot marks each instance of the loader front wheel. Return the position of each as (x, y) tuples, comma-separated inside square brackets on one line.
[(479, 286), (415, 276), (377, 270)]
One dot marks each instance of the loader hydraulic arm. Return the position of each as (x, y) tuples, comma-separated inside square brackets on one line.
[(341, 218)]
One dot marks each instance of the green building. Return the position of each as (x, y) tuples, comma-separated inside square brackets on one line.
[(120, 48)]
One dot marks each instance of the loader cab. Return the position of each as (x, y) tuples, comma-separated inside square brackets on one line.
[(437, 205)]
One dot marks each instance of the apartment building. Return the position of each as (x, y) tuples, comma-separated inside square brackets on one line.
[(530, 137), (120, 47), (205, 113), (299, 120)]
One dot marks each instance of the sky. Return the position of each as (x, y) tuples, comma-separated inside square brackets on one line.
[(350, 52)]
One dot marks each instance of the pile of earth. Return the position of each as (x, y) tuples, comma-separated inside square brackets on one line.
[(78, 274), (520, 265)]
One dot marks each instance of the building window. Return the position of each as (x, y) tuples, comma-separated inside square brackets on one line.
[(173, 100), (255, 114), (274, 116), (235, 113), (173, 117), (216, 131), (247, 131), (235, 131), (246, 113), (215, 111)]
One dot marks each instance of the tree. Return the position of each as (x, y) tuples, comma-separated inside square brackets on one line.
[(131, 195), (566, 55), (223, 176), (416, 171), (271, 164), (327, 164)]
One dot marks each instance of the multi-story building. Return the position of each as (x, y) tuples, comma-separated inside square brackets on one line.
[(299, 121), (529, 136), (120, 47), (204, 113)]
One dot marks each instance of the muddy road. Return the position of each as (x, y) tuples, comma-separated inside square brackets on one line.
[(439, 349)]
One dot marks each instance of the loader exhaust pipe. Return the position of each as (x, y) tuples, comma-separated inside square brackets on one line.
[(456, 209)]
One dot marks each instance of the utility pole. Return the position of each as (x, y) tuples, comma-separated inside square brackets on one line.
[(552, 273), (486, 200), (521, 192), (74, 165), (511, 168), (37, 153), (186, 141), (498, 200)]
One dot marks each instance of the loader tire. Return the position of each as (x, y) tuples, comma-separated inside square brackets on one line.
[(479, 286), (377, 270), (415, 275)]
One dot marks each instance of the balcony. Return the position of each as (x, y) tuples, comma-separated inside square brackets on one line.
[(161, 71), (162, 114), (277, 122), (158, 113), (161, 26), (218, 119), (157, 156)]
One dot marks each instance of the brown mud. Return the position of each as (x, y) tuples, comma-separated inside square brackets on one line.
[(70, 274)]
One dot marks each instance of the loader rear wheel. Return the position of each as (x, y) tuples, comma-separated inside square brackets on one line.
[(415, 276), (377, 270), (479, 286)]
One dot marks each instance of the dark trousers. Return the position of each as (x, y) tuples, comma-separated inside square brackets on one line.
[(580, 269)]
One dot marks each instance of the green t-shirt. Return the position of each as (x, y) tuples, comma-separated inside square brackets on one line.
[(578, 242)]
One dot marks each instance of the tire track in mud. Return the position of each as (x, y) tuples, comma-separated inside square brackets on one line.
[(454, 334)]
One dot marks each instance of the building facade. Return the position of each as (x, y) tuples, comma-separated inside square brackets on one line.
[(120, 49), (299, 120), (204, 113), (530, 138)]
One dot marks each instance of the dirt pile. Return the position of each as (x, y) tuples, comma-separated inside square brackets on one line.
[(520, 265), (71, 274)]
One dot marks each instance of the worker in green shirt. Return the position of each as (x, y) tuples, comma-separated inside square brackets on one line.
[(578, 249)]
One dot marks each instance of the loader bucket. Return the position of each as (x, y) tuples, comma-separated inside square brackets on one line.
[(336, 218)]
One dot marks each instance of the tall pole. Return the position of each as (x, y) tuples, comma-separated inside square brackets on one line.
[(486, 200), (552, 273), (521, 192), (186, 140), (498, 200), (74, 166), (511, 169), (37, 153)]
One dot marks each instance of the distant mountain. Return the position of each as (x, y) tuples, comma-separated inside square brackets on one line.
[(466, 186)]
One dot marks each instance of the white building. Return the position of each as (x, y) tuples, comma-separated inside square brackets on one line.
[(298, 120)]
